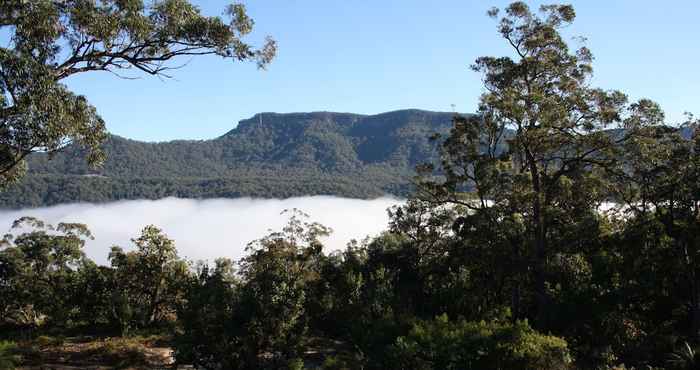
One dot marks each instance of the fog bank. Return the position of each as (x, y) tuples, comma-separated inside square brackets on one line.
[(207, 229)]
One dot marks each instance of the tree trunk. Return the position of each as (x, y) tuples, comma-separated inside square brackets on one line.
[(516, 293), (155, 302), (539, 268), (540, 244)]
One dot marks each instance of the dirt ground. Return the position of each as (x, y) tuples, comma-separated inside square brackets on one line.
[(96, 353), (153, 352)]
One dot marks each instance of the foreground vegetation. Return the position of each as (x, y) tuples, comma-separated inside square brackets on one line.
[(560, 230)]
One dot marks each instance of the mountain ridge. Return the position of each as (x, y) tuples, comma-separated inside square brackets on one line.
[(270, 155), (267, 155)]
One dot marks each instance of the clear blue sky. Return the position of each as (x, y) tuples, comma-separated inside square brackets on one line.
[(370, 56)]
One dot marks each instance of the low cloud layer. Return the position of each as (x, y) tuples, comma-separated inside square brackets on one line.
[(207, 229)]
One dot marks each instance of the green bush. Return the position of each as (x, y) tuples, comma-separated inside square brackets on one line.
[(8, 360), (47, 341), (445, 344), (295, 364), (338, 363)]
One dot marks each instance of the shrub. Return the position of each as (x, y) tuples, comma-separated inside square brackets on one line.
[(295, 364), (336, 363), (445, 344), (8, 360)]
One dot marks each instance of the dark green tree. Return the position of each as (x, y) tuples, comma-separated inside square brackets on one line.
[(38, 273), (149, 282), (211, 324), (659, 193), (256, 318), (557, 130), (276, 276)]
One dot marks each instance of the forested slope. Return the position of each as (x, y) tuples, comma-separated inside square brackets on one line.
[(268, 155)]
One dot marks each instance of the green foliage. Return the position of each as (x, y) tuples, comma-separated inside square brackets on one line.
[(210, 333), (149, 281), (273, 295), (261, 320), (295, 364), (541, 192), (8, 359), (45, 280), (445, 344), (338, 363), (269, 155), (53, 40), (38, 272), (95, 296)]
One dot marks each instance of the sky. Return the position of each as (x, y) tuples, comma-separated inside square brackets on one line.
[(370, 57)]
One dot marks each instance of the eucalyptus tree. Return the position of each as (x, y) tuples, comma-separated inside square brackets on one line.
[(39, 272), (209, 335), (261, 308), (525, 166), (149, 281), (659, 196), (274, 295), (51, 40)]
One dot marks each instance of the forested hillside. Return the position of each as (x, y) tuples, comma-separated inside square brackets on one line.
[(268, 155)]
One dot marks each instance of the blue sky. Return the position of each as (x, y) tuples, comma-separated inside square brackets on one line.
[(369, 56)]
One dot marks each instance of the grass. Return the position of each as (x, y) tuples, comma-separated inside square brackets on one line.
[(141, 352), (145, 351)]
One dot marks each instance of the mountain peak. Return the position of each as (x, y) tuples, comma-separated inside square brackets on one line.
[(340, 118)]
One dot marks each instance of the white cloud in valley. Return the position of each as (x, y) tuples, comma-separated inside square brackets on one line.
[(207, 229)]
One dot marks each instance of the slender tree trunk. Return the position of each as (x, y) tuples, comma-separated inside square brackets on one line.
[(540, 244), (516, 293), (539, 267), (515, 301), (155, 302)]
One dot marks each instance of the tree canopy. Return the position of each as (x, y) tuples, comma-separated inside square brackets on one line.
[(52, 40), (560, 135)]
